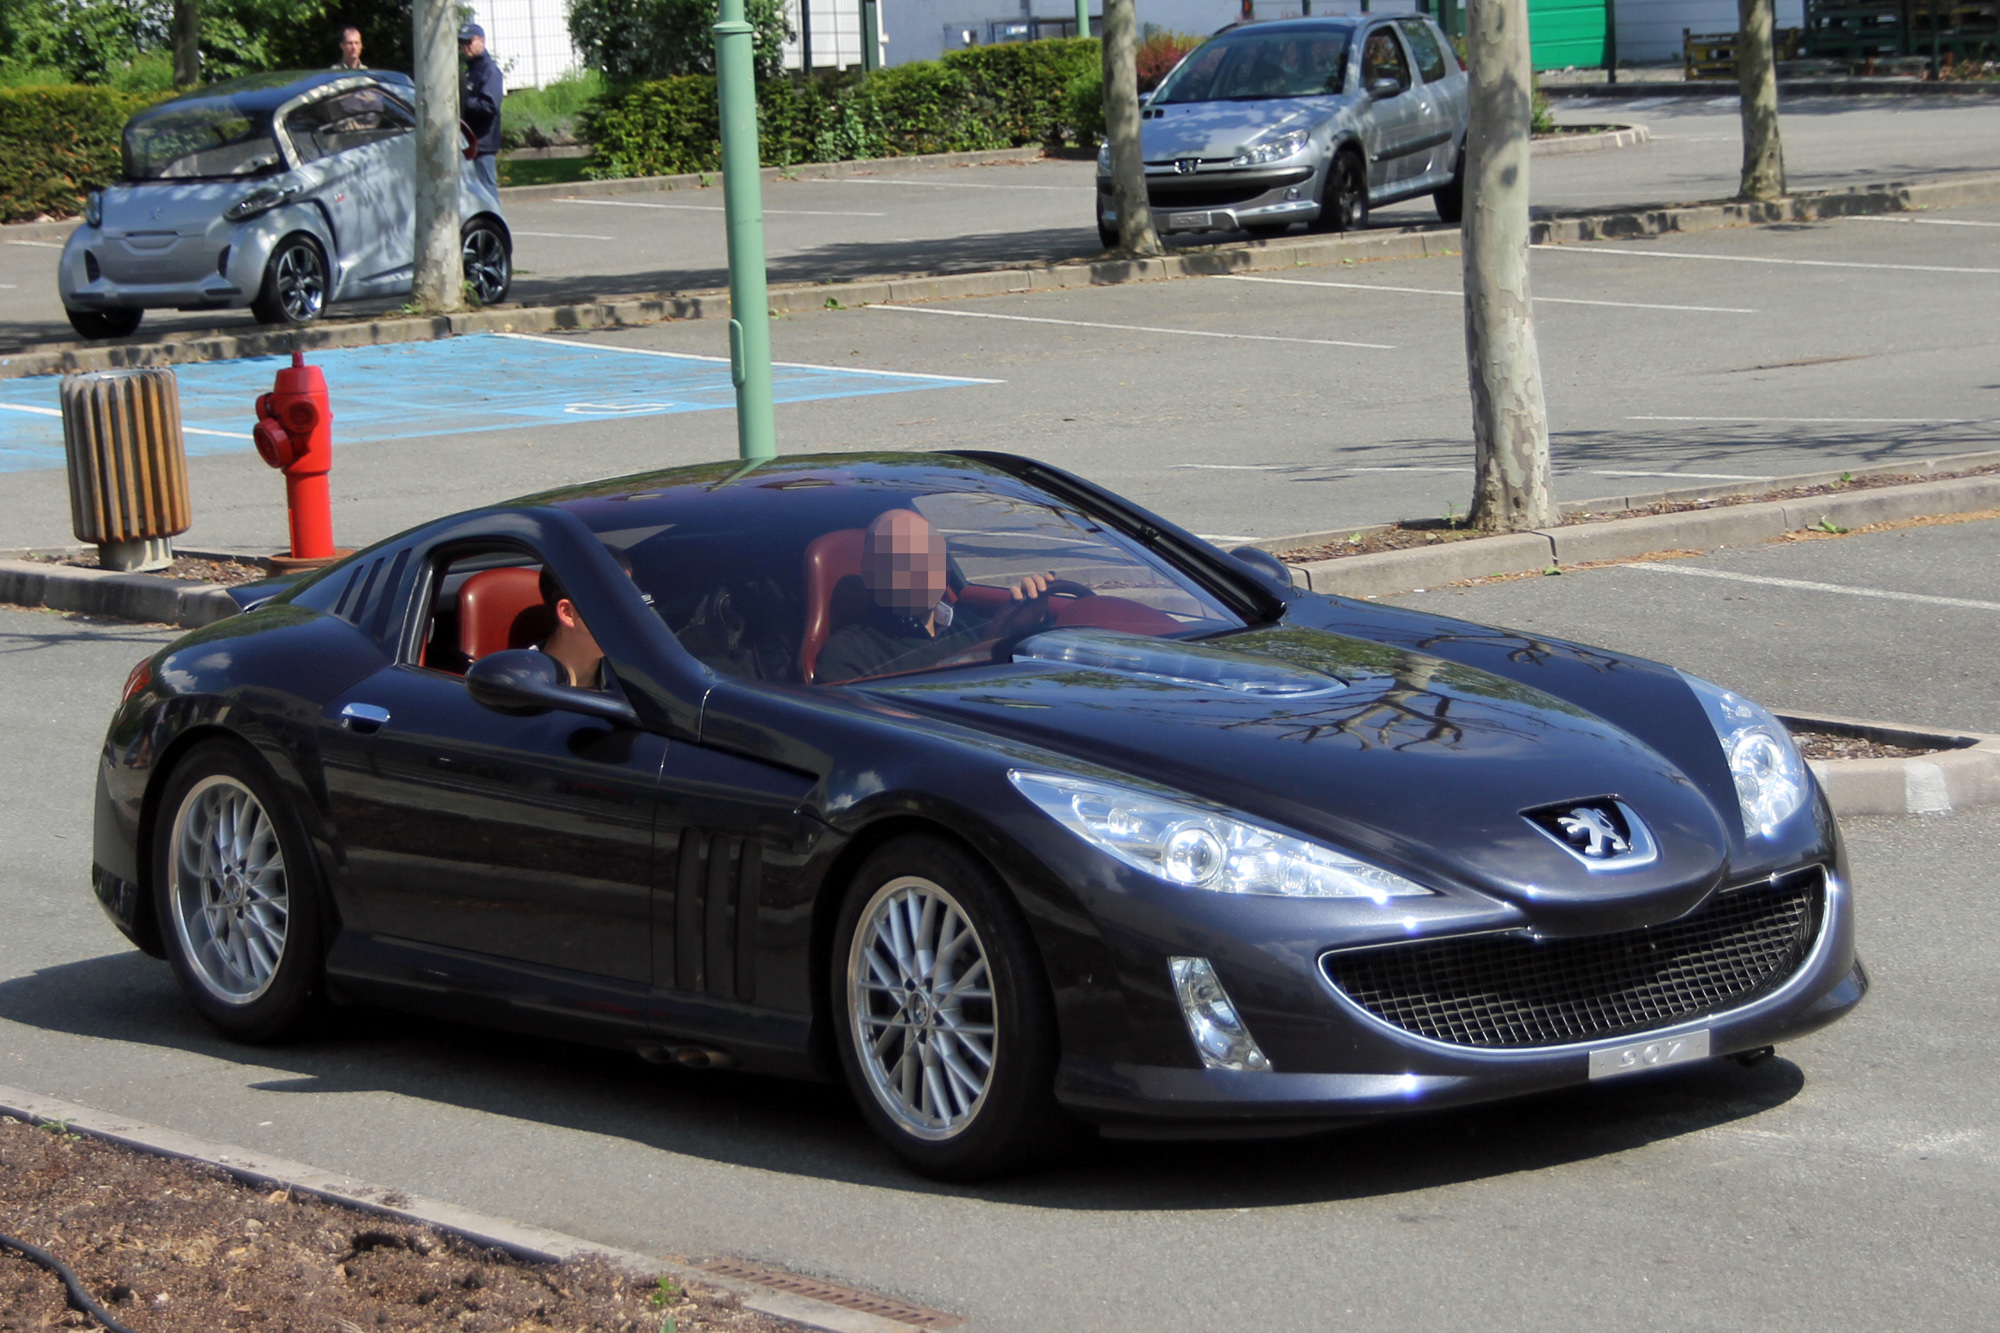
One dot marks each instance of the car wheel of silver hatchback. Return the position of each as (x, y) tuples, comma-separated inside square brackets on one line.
[(489, 268), (295, 283), (1343, 202)]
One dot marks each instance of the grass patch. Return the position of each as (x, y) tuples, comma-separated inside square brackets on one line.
[(544, 171)]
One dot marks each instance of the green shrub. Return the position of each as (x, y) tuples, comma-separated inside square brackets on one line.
[(539, 117), (1086, 107), (57, 144), (1160, 52)]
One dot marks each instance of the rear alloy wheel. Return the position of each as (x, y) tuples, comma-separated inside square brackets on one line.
[(233, 894), (1343, 202), (946, 1027), (295, 283), (489, 265), (105, 323)]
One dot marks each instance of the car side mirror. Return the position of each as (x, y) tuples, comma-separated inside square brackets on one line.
[(1385, 87), (1264, 563), (524, 682)]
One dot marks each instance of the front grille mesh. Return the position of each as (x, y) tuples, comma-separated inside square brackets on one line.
[(1510, 991)]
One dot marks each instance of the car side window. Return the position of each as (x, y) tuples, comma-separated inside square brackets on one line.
[(480, 602), (344, 121), (1382, 58), (1424, 47)]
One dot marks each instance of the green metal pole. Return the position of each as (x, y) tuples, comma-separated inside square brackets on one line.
[(1083, 18), (743, 205), (871, 37)]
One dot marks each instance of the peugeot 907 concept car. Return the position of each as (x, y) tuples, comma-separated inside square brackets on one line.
[(957, 777)]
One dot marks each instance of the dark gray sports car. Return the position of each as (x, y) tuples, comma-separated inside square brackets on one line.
[(955, 776)]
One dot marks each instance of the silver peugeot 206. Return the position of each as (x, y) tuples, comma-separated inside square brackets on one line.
[(1312, 120), (282, 192)]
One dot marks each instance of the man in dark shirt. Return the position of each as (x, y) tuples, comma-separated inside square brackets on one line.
[(480, 93), (910, 626)]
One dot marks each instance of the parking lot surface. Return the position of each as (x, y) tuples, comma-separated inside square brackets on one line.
[(1242, 407), (910, 220), (1854, 1181)]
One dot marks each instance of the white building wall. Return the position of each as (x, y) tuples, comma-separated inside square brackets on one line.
[(836, 32), (1649, 31), (926, 29), (530, 39)]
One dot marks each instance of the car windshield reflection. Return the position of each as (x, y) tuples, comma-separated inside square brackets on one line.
[(1253, 66)]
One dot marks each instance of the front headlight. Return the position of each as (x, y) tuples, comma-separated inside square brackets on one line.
[(260, 200), (1104, 157), (1285, 145), (1196, 848), (1770, 777), (93, 208)]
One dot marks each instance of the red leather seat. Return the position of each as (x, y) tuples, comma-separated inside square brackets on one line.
[(501, 608), (830, 558)]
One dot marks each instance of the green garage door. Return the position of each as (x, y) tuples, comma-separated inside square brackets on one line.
[(1566, 32)]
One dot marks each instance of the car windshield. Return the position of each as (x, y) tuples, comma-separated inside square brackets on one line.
[(1252, 65), (830, 576), (206, 138)]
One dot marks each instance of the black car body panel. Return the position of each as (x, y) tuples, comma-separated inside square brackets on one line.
[(675, 884)]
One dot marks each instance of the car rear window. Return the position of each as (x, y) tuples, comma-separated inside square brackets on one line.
[(1254, 65)]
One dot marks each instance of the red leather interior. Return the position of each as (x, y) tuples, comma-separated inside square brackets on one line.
[(1117, 613), (501, 608), (831, 557)]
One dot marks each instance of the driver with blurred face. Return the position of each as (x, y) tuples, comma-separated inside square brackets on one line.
[(909, 625)]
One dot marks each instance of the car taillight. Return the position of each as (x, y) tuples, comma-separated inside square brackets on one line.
[(140, 677)]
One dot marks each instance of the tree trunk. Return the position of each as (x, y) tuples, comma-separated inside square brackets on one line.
[(439, 270), (1121, 127), (187, 43), (1757, 84), (1510, 427)]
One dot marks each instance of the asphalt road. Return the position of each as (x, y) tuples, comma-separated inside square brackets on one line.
[(1852, 1182), (1327, 397), (905, 220)]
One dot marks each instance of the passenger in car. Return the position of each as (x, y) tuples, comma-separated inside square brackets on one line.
[(908, 625)]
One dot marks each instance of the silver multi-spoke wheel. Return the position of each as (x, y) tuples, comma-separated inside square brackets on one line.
[(488, 267), (920, 998), (300, 278), (230, 898)]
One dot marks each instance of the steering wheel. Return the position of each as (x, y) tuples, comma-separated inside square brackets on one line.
[(1068, 588)]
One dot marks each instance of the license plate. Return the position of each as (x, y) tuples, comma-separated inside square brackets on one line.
[(1187, 221), (1616, 1060)]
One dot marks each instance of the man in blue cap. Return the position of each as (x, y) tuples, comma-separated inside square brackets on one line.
[(479, 95)]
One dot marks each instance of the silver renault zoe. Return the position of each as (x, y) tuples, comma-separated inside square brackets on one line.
[(282, 192), (1312, 120)]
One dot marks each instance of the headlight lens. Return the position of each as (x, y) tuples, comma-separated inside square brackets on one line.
[(93, 208), (1771, 782), (260, 200), (1187, 845), (1285, 145)]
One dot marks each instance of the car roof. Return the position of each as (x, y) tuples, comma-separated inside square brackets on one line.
[(268, 91), (1330, 23)]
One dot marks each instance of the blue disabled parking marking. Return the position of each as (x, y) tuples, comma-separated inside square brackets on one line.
[(481, 382)]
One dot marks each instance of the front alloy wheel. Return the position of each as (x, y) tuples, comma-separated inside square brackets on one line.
[(1343, 203), (295, 283), (489, 268)]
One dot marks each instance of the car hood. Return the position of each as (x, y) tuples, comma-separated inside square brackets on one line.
[(184, 208), (1410, 760), (1223, 129)]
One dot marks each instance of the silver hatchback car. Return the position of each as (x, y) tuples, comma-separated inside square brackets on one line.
[(282, 192), (1301, 120)]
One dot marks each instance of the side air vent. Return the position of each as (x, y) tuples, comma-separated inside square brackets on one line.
[(715, 915)]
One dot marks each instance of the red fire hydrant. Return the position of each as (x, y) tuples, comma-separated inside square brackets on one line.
[(295, 433)]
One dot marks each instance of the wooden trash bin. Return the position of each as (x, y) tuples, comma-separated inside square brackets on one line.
[(128, 486)]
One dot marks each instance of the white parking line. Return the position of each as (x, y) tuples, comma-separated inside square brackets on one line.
[(702, 208), (185, 430), (1835, 421), (566, 235), (723, 360), (1806, 585), (1928, 222), (40, 245), (1133, 328), (1307, 467), (940, 185), (1433, 291), (1619, 250)]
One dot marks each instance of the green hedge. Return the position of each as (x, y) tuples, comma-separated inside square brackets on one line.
[(988, 97), (57, 144)]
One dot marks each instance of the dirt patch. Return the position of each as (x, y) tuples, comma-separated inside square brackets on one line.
[(1829, 745), (1411, 533), (167, 1245), (230, 572)]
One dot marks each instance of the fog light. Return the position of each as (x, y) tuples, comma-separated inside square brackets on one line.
[(1219, 1035), (1292, 194)]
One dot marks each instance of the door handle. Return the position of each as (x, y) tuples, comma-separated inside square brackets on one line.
[(365, 719)]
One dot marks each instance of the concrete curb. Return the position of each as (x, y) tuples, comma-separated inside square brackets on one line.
[(1706, 88), (1964, 774), (1241, 257), (147, 598), (1619, 136), (1388, 572), (532, 1243)]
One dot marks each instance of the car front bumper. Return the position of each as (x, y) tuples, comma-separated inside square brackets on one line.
[(235, 268), (1221, 201)]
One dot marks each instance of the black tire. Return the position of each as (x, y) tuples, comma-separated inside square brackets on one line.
[(1107, 235), (105, 323), (1450, 200), (296, 283), (488, 259), (221, 907), (1343, 200), (1013, 1122)]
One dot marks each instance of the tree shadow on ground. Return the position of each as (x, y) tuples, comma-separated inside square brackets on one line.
[(814, 1131)]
